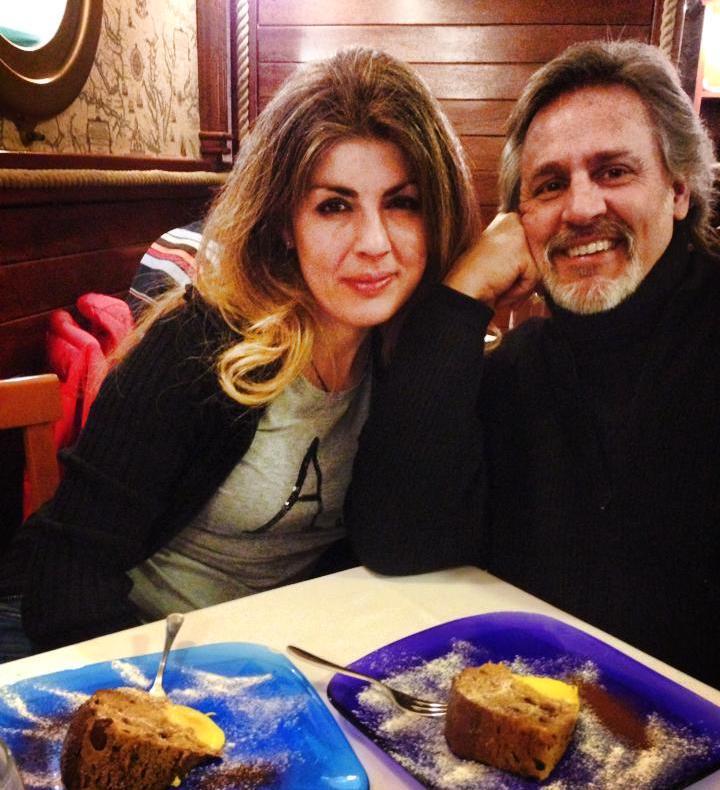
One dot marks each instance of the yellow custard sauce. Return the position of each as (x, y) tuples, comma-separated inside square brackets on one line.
[(551, 687), (203, 727)]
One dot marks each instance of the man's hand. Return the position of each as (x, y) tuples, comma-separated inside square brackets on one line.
[(498, 269)]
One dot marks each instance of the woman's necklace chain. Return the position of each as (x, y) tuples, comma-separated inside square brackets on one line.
[(320, 378)]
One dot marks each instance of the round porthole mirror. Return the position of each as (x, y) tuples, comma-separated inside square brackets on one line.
[(31, 25), (45, 56)]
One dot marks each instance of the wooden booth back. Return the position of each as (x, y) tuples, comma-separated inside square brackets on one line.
[(475, 56)]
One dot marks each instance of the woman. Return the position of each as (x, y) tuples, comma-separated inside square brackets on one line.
[(216, 457)]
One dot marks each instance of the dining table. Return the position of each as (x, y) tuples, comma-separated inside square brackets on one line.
[(342, 616)]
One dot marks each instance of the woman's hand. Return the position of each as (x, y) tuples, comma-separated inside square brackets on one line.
[(498, 269)]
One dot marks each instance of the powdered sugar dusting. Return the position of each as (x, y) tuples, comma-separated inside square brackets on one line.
[(42, 781), (73, 698), (204, 683), (615, 764), (130, 674), (596, 758), (15, 703), (256, 711)]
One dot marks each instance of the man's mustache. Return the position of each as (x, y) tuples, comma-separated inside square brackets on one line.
[(604, 228)]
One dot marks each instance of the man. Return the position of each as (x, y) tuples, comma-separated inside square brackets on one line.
[(580, 460)]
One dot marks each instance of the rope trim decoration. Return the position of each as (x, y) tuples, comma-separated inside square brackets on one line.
[(61, 179), (667, 27), (243, 68)]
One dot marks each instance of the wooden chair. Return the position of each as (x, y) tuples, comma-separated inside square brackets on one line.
[(33, 404)]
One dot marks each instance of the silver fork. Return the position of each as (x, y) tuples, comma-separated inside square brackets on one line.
[(172, 626), (423, 707)]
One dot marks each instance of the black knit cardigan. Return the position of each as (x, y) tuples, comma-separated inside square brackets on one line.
[(160, 438), (579, 461)]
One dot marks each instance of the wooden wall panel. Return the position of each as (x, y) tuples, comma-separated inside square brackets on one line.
[(452, 12), (22, 346), (476, 80), (437, 43), (483, 151), (61, 243), (457, 81), (483, 116), (37, 286), (475, 56), (47, 230)]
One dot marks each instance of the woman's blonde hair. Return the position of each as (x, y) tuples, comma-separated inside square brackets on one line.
[(245, 269)]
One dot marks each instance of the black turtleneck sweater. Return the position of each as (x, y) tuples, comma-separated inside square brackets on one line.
[(579, 461)]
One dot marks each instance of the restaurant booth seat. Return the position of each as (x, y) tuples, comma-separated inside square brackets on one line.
[(50, 409), (33, 404)]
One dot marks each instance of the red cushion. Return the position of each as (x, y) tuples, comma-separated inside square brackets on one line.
[(77, 359), (78, 356), (109, 319)]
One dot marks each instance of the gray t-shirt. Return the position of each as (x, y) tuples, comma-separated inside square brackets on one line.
[(275, 513)]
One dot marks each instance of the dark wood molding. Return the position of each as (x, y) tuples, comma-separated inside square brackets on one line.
[(214, 43), (47, 161), (656, 24), (109, 193), (451, 12)]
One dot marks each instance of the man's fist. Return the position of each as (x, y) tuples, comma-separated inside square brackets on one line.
[(498, 269)]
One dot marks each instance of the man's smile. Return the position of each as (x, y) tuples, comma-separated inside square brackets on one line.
[(590, 248)]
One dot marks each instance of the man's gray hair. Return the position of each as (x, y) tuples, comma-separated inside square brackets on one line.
[(684, 143)]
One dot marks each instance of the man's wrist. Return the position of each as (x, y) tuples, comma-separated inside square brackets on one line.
[(471, 287)]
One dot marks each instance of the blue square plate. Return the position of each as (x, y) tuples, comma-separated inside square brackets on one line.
[(683, 728), (271, 716)]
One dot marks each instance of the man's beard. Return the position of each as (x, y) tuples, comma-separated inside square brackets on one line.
[(602, 293)]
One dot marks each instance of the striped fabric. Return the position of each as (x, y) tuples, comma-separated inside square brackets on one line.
[(170, 260)]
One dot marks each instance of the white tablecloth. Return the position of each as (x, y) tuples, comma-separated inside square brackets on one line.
[(341, 617)]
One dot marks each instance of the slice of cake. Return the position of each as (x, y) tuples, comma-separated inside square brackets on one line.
[(515, 723), (124, 739)]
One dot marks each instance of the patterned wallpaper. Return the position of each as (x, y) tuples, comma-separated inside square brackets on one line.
[(141, 97)]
